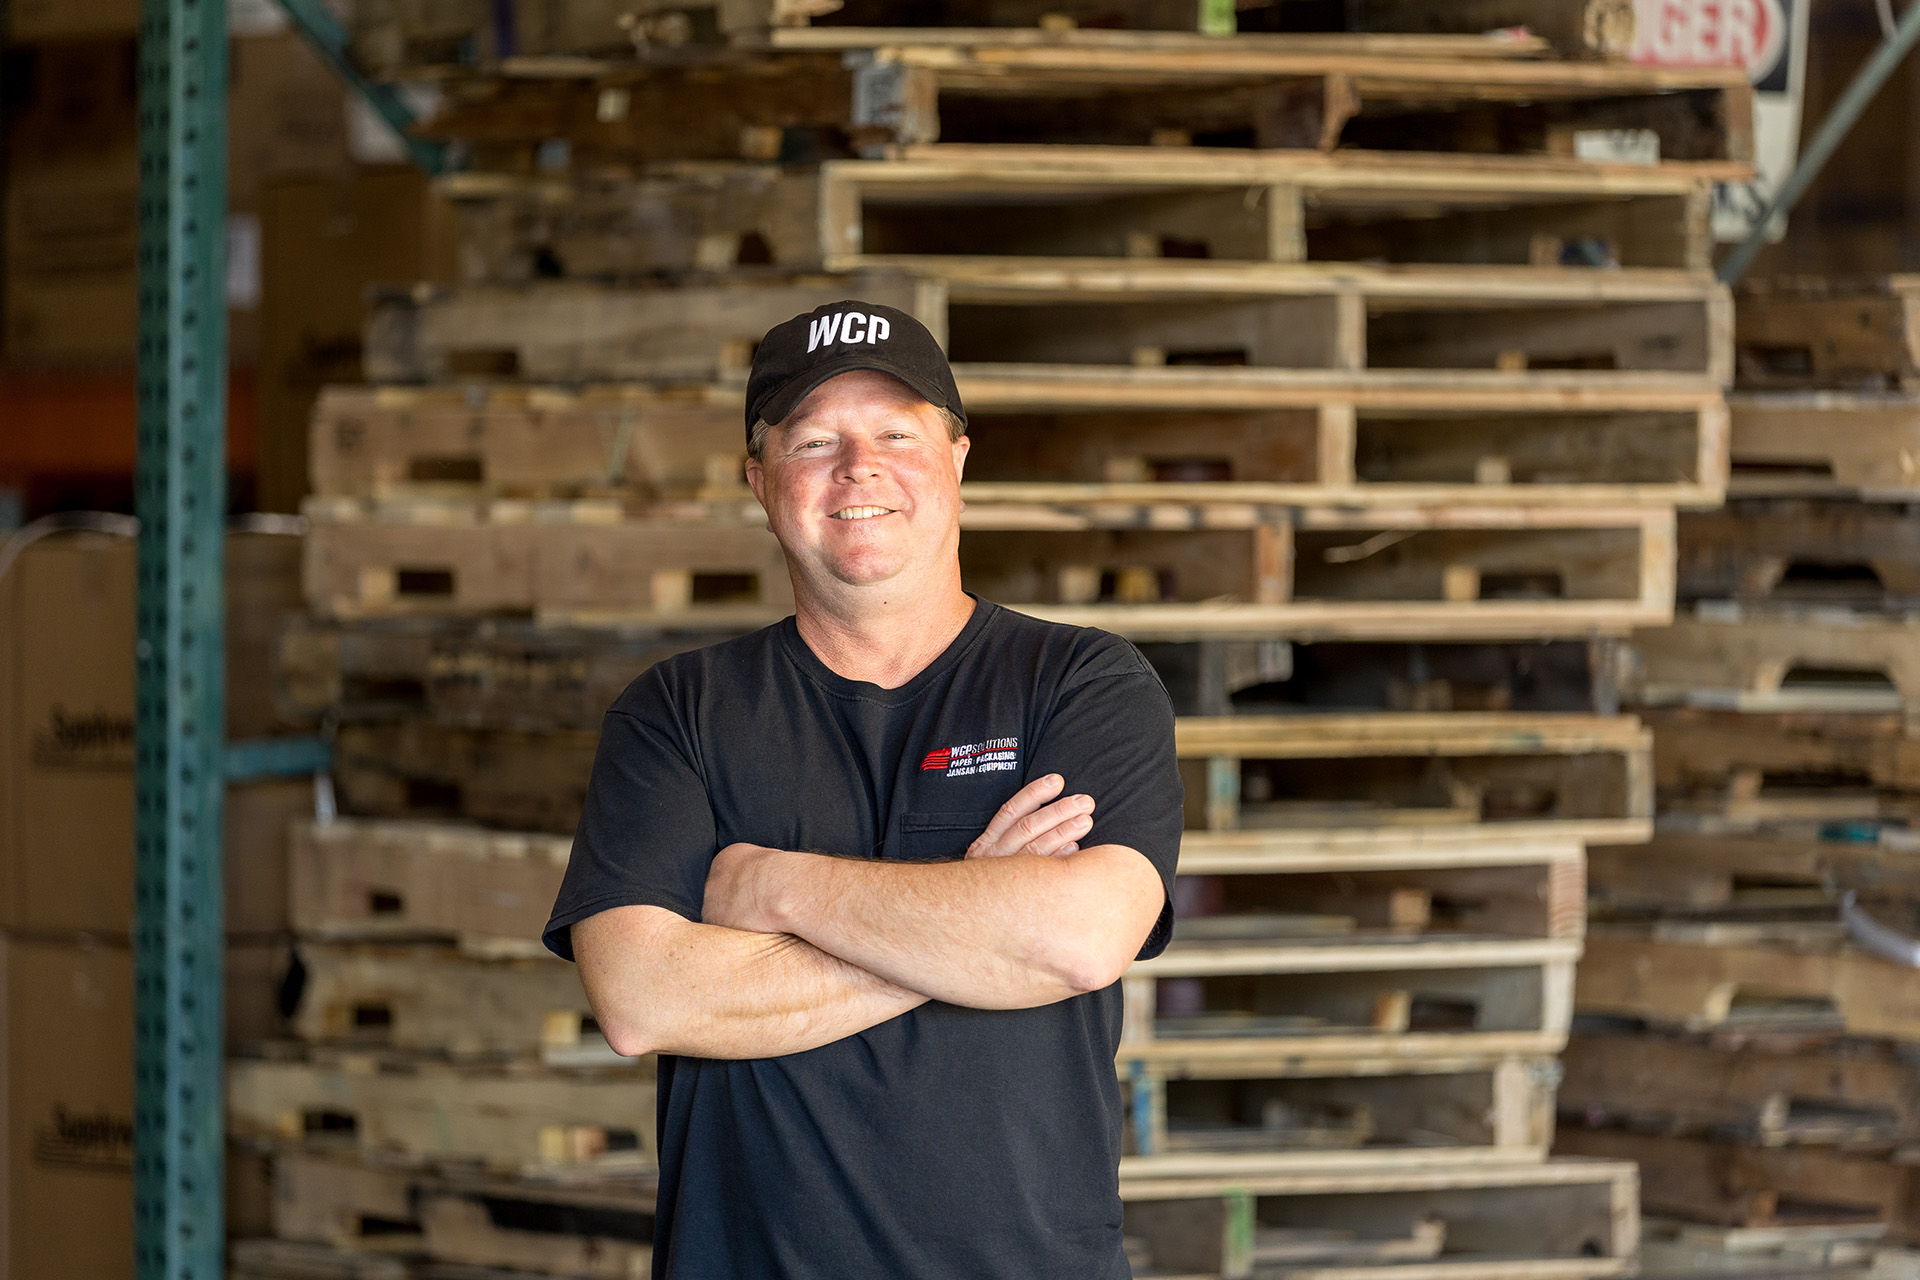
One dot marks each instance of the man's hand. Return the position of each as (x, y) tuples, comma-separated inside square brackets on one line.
[(742, 888), (1027, 823)]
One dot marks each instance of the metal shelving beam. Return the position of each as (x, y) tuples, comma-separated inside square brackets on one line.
[(324, 32), (180, 496)]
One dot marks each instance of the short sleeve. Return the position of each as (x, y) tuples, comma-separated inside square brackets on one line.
[(1111, 737), (647, 834)]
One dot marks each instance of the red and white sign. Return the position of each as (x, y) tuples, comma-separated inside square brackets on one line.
[(1710, 33), (1768, 39)]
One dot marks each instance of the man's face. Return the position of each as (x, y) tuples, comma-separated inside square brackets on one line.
[(861, 484)]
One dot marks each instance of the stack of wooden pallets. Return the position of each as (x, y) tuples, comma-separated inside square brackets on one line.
[(1328, 368), (1753, 1040)]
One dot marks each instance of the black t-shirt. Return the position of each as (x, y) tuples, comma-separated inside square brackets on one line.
[(948, 1143)]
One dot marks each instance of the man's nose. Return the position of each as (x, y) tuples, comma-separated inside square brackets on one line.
[(859, 460)]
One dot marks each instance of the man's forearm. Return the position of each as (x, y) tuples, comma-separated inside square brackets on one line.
[(991, 933), (662, 984)]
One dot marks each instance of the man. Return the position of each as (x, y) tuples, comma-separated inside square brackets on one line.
[(831, 874)]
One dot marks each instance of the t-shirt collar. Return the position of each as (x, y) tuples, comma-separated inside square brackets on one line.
[(833, 682)]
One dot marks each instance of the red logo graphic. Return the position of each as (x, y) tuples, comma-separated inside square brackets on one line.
[(990, 756)]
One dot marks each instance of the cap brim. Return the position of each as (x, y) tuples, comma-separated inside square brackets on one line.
[(775, 408)]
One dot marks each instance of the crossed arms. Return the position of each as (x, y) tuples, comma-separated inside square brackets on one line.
[(798, 950)]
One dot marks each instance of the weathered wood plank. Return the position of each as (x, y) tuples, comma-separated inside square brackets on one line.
[(1697, 985), (1856, 334), (1737, 1185), (1847, 1093), (1824, 443), (1801, 551), (517, 1120), (1782, 659)]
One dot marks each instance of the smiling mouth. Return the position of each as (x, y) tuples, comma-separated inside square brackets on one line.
[(860, 513)]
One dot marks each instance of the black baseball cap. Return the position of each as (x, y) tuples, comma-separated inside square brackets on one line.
[(798, 355)]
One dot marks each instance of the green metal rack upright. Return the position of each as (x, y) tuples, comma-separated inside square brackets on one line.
[(180, 498)]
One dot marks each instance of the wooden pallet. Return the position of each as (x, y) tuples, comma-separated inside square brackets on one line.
[(1807, 332), (1251, 778), (1559, 1220), (1156, 571), (1247, 773), (1673, 1249), (519, 675), (1073, 434), (733, 105), (1096, 203), (1678, 976), (1801, 551), (432, 999), (600, 1229), (1782, 659), (1268, 1116), (1646, 329), (287, 1260), (1736, 1185), (490, 892), (1825, 444), (1754, 767), (1347, 998), (514, 1119), (1691, 872), (1778, 1091), (498, 673), (390, 36)]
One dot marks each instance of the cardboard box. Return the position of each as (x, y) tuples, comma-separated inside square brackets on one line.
[(72, 261), (72, 207), (66, 1185), (263, 588), (33, 21), (66, 736), (287, 117), (323, 244), (72, 224)]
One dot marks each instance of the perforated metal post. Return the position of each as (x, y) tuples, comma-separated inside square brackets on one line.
[(179, 720)]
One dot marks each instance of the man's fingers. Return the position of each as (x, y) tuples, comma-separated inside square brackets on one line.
[(1056, 814), (1020, 804), (1060, 840)]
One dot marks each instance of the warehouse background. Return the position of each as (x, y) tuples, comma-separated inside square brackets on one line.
[(1538, 610)]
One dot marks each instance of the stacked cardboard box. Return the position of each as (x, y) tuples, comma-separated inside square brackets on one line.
[(66, 884)]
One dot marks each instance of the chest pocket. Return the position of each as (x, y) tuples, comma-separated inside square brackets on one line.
[(927, 837)]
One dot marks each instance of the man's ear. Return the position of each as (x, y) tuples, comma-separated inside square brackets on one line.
[(963, 445)]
